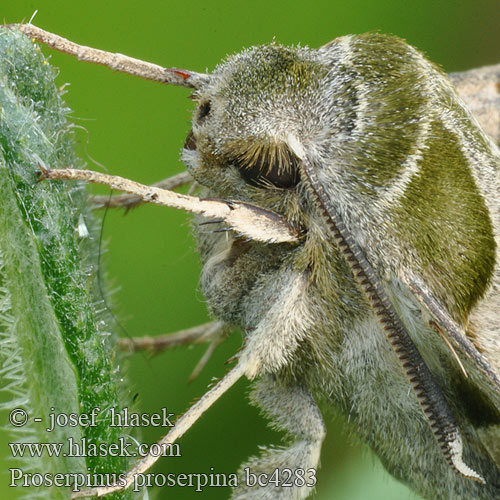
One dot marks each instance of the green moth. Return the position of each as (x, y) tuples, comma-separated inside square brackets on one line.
[(364, 144), (384, 300)]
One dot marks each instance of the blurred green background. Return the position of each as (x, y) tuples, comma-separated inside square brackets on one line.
[(136, 129)]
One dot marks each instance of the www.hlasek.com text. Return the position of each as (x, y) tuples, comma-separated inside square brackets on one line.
[(85, 448)]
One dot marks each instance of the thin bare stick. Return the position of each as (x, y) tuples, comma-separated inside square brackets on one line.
[(130, 200), (247, 220), (115, 61), (195, 335), (181, 427)]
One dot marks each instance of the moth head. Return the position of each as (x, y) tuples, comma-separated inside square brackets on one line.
[(245, 113)]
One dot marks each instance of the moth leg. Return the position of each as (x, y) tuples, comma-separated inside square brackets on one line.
[(456, 334), (213, 333), (266, 226), (195, 335), (114, 61), (129, 201), (204, 359), (290, 473), (182, 425)]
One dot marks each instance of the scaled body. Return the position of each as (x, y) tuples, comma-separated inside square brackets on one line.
[(416, 182)]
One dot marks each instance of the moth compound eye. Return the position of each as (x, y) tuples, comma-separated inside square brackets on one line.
[(190, 142), (204, 111), (274, 165)]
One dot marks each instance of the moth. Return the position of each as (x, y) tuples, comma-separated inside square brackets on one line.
[(355, 201)]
